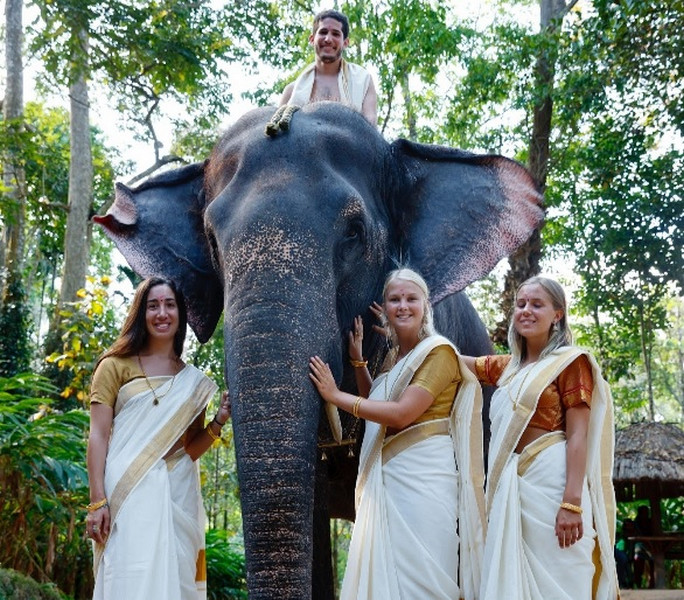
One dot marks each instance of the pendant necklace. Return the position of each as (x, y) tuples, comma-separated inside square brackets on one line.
[(520, 389), (149, 385)]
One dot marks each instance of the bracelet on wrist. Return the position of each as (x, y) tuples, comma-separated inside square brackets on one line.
[(215, 420), (358, 363), (571, 507), (355, 408), (93, 506), (211, 433)]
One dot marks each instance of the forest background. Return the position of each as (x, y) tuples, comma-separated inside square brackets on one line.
[(587, 94)]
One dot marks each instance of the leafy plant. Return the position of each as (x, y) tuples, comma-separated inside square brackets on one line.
[(225, 568), (43, 484), (89, 327), (15, 586)]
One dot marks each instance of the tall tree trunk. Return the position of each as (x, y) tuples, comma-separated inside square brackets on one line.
[(524, 262), (408, 106), (646, 351), (679, 371), (14, 345), (78, 227), (77, 235), (11, 250)]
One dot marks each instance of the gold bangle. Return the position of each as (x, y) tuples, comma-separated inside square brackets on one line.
[(355, 408), (93, 506), (358, 363), (211, 433), (571, 507)]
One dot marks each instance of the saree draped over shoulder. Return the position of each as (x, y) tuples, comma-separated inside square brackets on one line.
[(353, 81), (419, 498), (155, 549), (524, 491)]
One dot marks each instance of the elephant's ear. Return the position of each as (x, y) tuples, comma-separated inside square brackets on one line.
[(460, 213), (158, 227)]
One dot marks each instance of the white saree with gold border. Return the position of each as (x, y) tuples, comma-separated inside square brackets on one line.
[(522, 556), (419, 498), (353, 82), (156, 541)]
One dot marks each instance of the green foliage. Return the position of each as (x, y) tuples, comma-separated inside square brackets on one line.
[(42, 149), (340, 536), (43, 153), (43, 484), (15, 586), (142, 52), (616, 201), (226, 576), (15, 350), (672, 519), (646, 41), (220, 487), (89, 327)]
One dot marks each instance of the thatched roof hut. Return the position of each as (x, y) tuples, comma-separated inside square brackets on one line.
[(649, 462)]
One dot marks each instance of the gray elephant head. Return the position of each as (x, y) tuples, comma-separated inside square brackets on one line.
[(291, 235)]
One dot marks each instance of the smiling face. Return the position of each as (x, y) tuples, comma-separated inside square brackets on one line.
[(534, 314), (405, 308), (329, 40), (161, 313)]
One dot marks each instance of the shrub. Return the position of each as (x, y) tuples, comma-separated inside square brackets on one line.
[(15, 586)]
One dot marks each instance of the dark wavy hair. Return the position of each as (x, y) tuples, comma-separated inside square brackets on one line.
[(133, 336), (332, 14)]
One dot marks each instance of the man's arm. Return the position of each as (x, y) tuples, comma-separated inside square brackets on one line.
[(369, 108), (287, 94)]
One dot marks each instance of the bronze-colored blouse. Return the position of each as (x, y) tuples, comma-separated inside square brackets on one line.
[(572, 387), (438, 374)]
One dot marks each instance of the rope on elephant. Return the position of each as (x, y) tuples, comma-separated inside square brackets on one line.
[(280, 121)]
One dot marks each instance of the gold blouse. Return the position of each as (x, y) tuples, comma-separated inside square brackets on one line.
[(440, 376), (110, 375)]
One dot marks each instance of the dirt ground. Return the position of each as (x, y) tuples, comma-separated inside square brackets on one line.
[(651, 594)]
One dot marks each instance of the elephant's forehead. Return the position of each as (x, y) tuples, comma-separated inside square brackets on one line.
[(317, 133), (272, 248)]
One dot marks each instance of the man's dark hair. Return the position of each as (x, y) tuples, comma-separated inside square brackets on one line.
[(332, 14)]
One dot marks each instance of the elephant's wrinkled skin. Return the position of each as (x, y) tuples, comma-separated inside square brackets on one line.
[(296, 234)]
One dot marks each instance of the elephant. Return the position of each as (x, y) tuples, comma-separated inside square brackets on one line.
[(290, 233)]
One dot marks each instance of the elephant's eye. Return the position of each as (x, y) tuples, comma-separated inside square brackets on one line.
[(355, 231)]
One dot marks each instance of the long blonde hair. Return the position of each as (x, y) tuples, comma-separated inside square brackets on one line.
[(559, 334)]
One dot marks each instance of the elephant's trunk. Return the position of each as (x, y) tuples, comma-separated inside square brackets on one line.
[(269, 337)]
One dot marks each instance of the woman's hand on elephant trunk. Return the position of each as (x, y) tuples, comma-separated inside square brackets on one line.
[(379, 313), (356, 340), (323, 379), (223, 412)]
